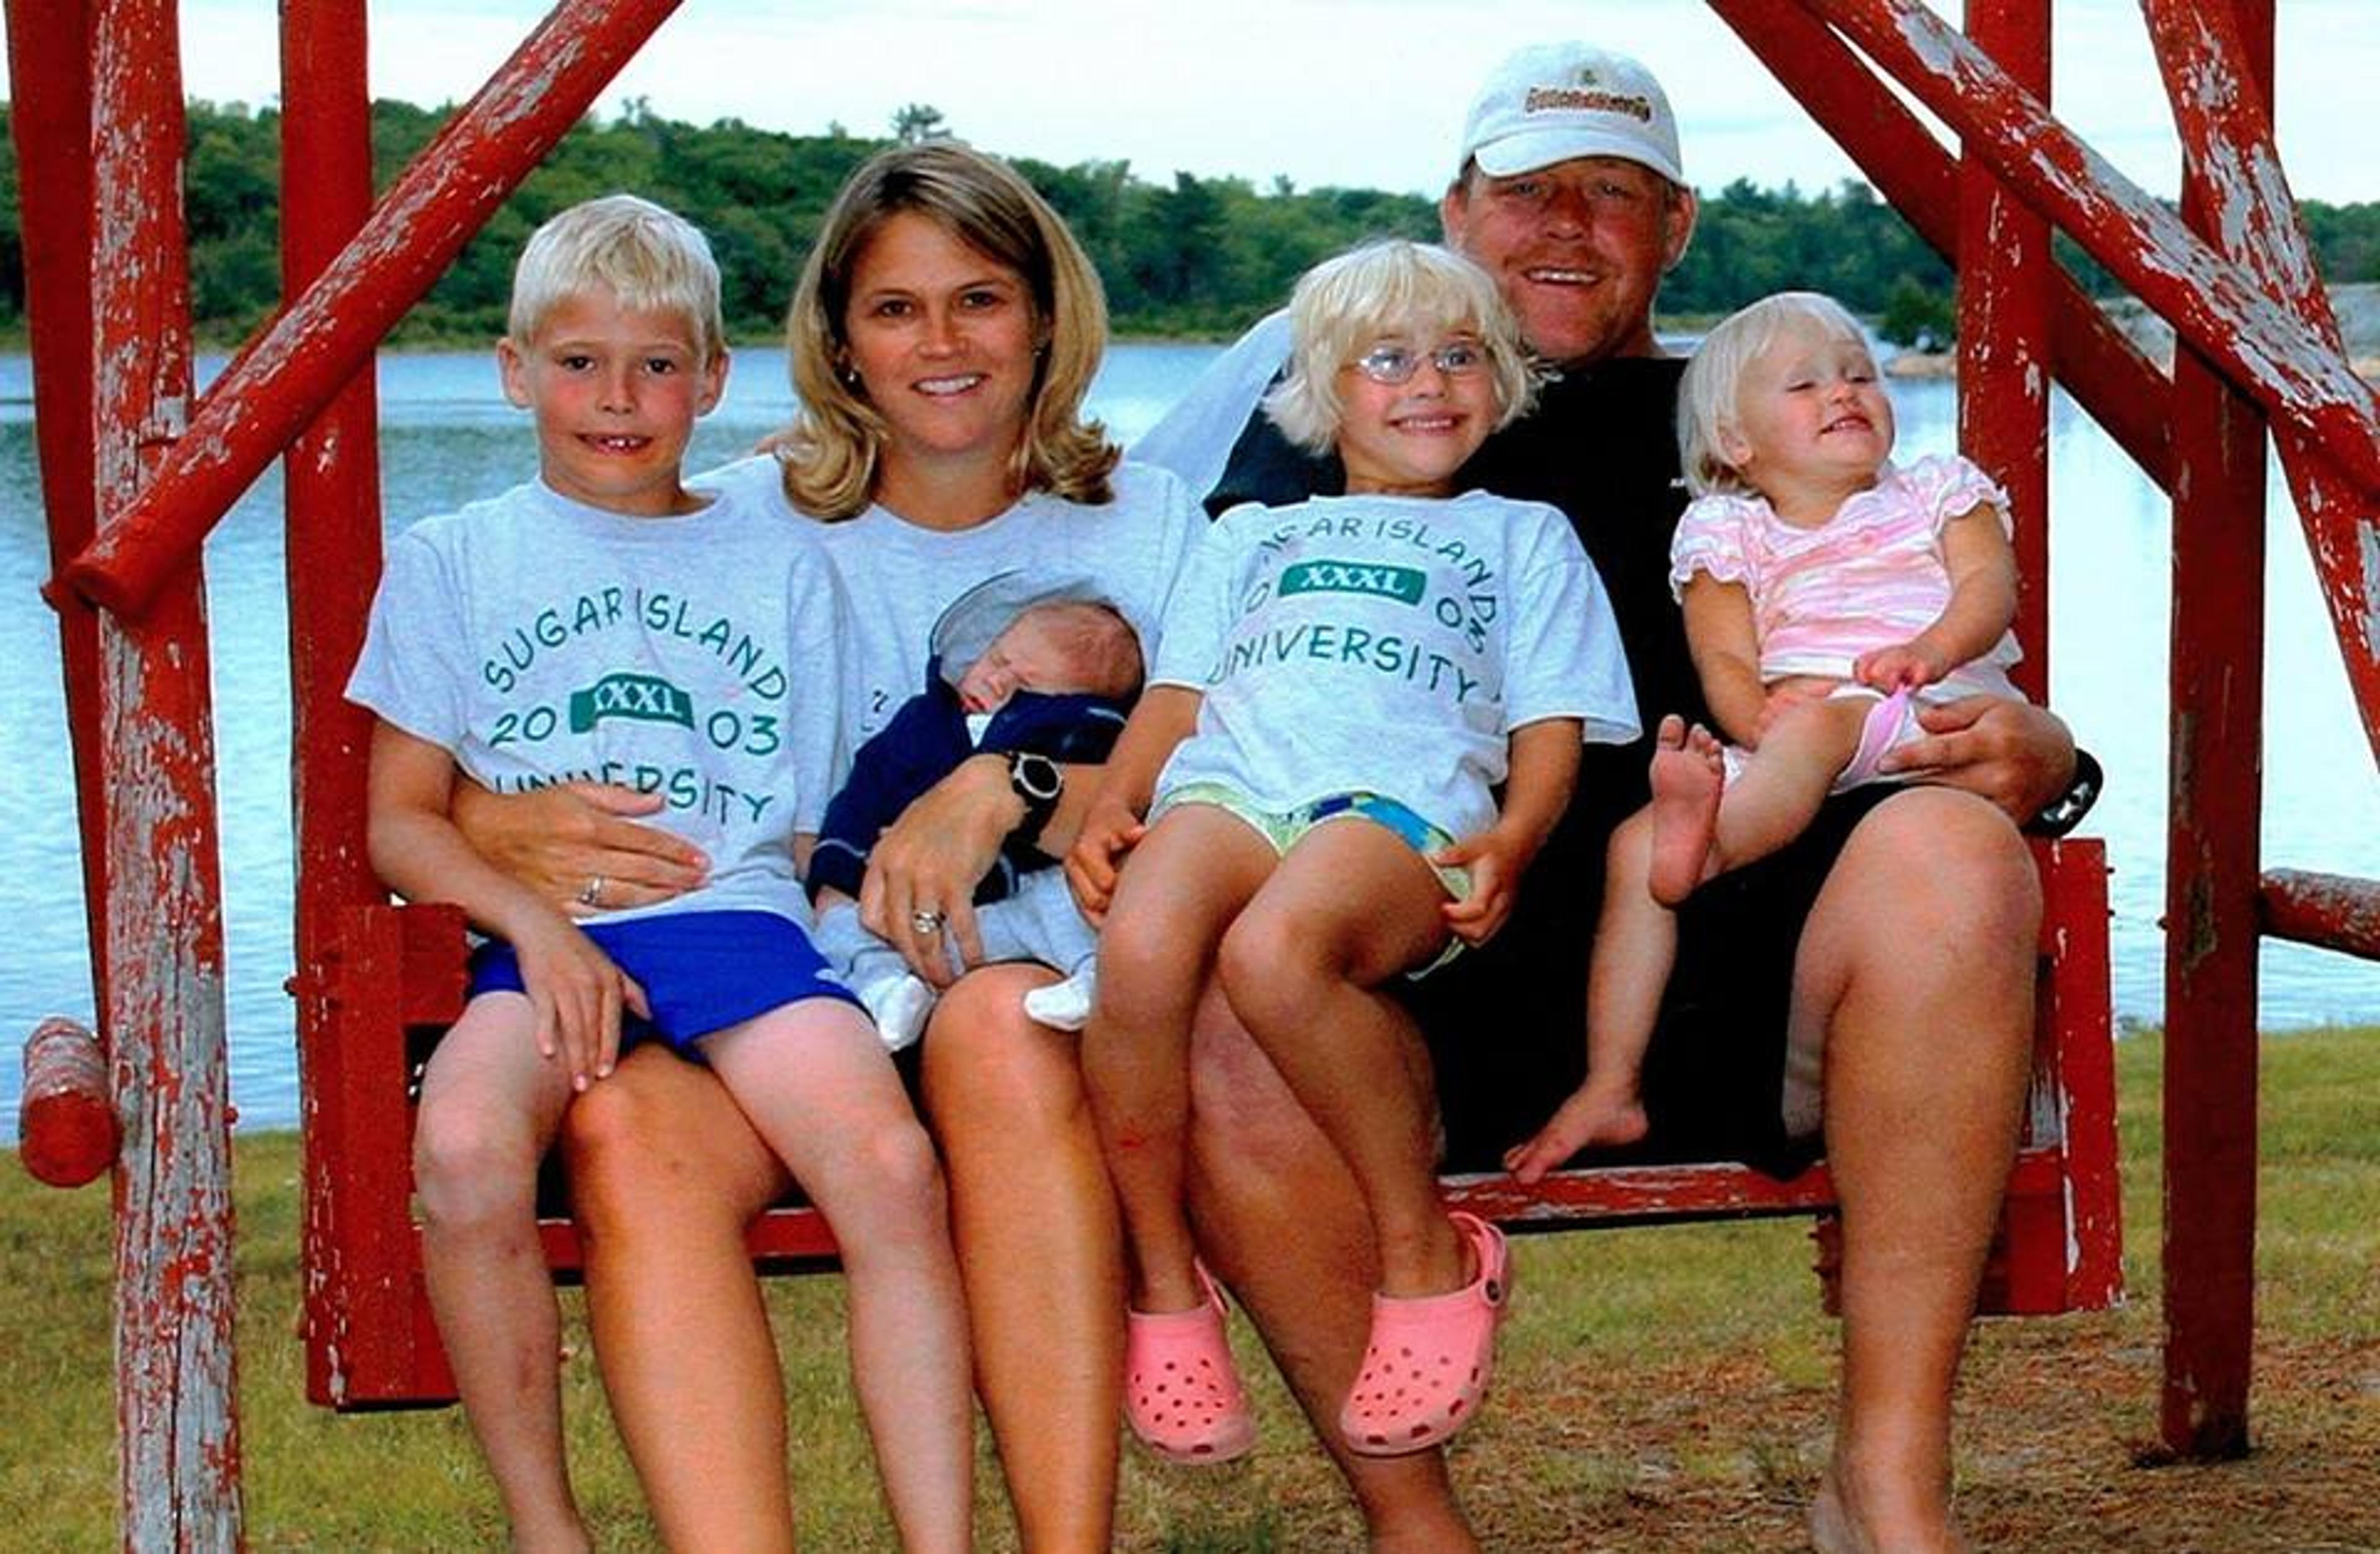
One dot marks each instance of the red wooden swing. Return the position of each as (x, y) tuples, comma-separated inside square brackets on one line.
[(98, 122)]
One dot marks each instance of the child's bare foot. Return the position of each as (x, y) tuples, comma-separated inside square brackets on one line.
[(1609, 1116), (1689, 775)]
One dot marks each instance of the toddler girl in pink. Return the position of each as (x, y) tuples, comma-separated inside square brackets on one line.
[(1827, 592)]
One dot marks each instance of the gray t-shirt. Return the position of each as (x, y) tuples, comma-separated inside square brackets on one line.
[(898, 577), (1389, 645), (540, 640)]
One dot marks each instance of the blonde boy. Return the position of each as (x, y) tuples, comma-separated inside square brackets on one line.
[(605, 623)]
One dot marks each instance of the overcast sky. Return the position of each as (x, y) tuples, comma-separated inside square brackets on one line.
[(1358, 93)]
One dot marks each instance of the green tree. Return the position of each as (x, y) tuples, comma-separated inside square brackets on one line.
[(1920, 318), (916, 123), (1184, 255)]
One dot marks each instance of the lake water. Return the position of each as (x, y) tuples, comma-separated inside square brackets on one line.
[(447, 436)]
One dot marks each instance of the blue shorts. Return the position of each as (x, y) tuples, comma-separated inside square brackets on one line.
[(701, 972)]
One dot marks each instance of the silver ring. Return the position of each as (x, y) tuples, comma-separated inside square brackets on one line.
[(927, 921), (592, 895)]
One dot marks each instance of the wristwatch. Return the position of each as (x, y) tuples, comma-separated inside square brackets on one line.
[(1039, 783), (2067, 810)]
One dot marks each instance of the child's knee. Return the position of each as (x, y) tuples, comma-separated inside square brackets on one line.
[(1263, 966), (1140, 968), (468, 1171), (901, 1176), (1628, 856)]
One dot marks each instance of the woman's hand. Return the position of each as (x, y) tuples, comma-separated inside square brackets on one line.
[(923, 870), (578, 845), (1109, 831), (2016, 755)]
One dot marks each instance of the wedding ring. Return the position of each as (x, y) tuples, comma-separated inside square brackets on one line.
[(593, 895), (927, 921)]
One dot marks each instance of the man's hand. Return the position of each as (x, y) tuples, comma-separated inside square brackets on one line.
[(563, 840), (2016, 755)]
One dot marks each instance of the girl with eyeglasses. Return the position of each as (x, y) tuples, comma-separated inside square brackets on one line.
[(1302, 809)]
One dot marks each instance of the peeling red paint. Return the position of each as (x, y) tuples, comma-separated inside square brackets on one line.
[(2215, 306), (285, 377)]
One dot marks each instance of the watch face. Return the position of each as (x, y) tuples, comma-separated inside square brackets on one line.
[(1035, 777)]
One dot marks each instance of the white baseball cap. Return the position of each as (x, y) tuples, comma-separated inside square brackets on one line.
[(1549, 103)]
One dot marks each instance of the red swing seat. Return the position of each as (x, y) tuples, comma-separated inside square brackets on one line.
[(394, 970)]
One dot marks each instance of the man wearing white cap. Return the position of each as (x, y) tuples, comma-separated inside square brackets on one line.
[(1569, 190)]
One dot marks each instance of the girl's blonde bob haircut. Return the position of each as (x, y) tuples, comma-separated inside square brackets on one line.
[(651, 260), (831, 452), (1412, 291), (1706, 398)]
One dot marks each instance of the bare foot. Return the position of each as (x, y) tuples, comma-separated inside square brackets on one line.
[(1609, 1116), (1409, 1531), (1834, 1529), (1830, 1530), (1689, 775)]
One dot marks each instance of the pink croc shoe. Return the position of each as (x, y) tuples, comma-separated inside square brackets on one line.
[(1426, 1367), (1182, 1394)]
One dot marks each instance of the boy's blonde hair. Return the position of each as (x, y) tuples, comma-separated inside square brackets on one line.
[(831, 452), (1706, 398), (1412, 291), (650, 259)]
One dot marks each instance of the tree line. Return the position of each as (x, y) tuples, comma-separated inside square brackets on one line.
[(1182, 256)]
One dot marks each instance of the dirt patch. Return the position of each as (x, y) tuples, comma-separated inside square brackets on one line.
[(2057, 1450)]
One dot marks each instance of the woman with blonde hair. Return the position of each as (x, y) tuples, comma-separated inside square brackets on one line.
[(943, 334)]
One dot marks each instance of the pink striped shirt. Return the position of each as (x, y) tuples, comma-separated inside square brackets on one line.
[(1870, 577)]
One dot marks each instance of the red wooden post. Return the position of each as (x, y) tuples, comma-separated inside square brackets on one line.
[(2076, 1006), (49, 71), (2212, 931), (2004, 335), (161, 951), (284, 377), (332, 486)]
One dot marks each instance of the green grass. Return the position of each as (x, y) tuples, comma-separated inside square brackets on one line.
[(1680, 1372)]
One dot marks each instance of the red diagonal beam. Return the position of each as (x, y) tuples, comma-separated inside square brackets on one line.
[(2227, 135), (2264, 347), (289, 372), (2004, 354), (2105, 372)]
